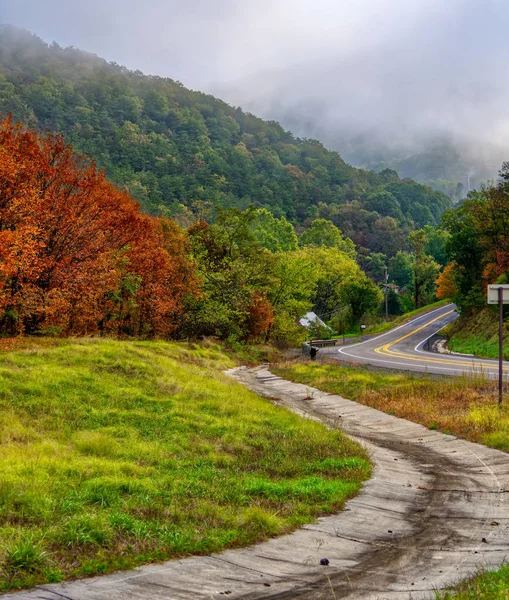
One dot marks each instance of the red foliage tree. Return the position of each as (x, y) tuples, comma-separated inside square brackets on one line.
[(260, 315), (76, 254)]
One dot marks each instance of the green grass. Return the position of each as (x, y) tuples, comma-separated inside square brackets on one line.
[(477, 334), (349, 381), (114, 454), (485, 586), (346, 336), (476, 345), (383, 327)]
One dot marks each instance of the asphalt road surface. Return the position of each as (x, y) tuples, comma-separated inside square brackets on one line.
[(402, 348)]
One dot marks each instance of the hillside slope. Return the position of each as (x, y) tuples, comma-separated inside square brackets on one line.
[(477, 334), (181, 152), (115, 454)]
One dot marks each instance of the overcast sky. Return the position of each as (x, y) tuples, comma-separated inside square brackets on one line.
[(401, 69)]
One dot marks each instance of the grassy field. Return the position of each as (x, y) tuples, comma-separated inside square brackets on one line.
[(114, 454), (473, 344), (462, 406)]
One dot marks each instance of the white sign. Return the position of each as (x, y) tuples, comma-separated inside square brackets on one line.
[(493, 293)]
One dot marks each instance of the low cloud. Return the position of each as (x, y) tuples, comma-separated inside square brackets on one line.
[(392, 73)]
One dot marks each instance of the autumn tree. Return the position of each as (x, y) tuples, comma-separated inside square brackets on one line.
[(77, 255), (446, 286)]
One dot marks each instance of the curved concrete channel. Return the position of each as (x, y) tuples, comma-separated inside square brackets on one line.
[(435, 511)]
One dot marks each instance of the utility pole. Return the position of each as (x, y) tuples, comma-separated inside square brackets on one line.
[(386, 294)]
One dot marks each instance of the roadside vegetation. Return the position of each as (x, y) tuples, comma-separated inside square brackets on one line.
[(478, 255), (486, 585), (477, 335), (115, 454), (477, 346), (461, 406)]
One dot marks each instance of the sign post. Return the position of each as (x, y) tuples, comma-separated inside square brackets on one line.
[(499, 294)]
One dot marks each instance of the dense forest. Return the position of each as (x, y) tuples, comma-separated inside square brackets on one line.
[(182, 153), (447, 162), (79, 257), (477, 245), (247, 226)]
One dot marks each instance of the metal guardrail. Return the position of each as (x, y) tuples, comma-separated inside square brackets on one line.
[(311, 348), (321, 343)]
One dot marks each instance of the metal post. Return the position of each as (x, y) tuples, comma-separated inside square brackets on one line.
[(500, 342)]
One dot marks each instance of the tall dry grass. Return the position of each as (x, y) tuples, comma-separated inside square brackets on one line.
[(464, 406)]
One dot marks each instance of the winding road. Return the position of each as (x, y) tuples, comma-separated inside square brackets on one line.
[(402, 348), (435, 511)]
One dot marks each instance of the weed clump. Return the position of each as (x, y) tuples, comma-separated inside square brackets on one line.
[(26, 554)]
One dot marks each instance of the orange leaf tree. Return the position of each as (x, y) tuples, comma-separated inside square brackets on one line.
[(446, 286), (76, 254)]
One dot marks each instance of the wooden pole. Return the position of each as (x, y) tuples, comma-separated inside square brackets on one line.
[(386, 294), (500, 342)]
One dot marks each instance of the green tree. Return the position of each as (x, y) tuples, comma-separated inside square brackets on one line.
[(436, 243), (464, 250), (386, 236), (425, 270), (324, 233), (400, 269), (293, 284), (332, 266), (277, 235), (235, 271), (384, 203), (394, 305), (361, 294), (373, 264)]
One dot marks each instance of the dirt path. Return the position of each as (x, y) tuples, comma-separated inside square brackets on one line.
[(435, 511)]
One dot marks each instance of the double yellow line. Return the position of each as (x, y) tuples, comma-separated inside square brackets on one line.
[(386, 350)]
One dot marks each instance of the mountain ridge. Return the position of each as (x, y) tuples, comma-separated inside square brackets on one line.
[(182, 153)]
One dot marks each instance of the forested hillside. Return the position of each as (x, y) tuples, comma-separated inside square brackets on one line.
[(182, 153), (478, 250), (445, 165), (79, 257)]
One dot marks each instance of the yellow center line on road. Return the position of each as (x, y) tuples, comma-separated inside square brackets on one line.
[(386, 350)]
